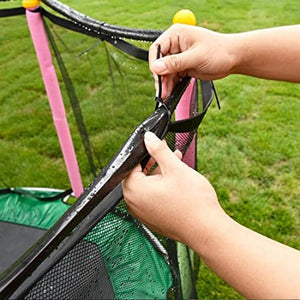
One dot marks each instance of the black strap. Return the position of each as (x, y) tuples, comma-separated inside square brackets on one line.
[(67, 24), (187, 125), (10, 12), (128, 48), (115, 41), (28, 193)]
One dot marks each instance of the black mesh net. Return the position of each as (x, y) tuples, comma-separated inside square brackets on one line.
[(180, 141)]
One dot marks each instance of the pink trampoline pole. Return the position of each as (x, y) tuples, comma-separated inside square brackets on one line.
[(40, 41), (183, 112)]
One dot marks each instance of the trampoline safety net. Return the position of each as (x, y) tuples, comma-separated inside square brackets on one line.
[(118, 258)]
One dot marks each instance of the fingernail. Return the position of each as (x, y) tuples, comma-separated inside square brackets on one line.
[(150, 137), (159, 66)]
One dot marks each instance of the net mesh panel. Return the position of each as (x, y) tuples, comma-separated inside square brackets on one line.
[(119, 258), (180, 141), (103, 79), (114, 260)]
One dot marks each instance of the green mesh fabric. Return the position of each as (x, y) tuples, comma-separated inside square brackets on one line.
[(136, 269), (27, 210)]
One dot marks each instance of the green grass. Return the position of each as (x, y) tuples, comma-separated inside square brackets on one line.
[(250, 150)]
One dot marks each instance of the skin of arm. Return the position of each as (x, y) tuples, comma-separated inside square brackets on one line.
[(180, 203), (188, 50)]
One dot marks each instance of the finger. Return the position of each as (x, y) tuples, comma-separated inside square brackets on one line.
[(140, 215), (136, 174), (149, 166), (178, 154), (171, 82), (160, 152), (164, 41), (152, 57), (167, 87), (156, 170), (175, 63), (136, 169), (168, 83)]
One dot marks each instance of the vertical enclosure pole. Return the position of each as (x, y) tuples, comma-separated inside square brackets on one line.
[(40, 42), (183, 112)]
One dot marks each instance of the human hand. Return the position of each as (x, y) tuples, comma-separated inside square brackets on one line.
[(177, 201), (192, 51)]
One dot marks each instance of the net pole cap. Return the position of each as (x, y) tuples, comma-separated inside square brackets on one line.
[(29, 4), (185, 16)]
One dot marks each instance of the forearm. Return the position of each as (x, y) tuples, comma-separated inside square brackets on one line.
[(254, 265), (269, 53)]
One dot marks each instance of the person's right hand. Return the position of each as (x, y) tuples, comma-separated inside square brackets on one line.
[(175, 201), (193, 51)]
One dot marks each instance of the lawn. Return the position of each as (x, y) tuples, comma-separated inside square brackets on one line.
[(250, 149)]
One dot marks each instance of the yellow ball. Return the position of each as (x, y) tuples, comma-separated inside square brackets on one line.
[(185, 16), (30, 3)]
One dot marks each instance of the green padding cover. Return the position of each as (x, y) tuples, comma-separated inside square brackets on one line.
[(27, 210), (136, 269)]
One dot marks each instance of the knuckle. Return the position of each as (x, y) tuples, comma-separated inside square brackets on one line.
[(175, 27), (175, 63), (158, 147), (128, 197), (132, 212), (127, 186), (152, 48)]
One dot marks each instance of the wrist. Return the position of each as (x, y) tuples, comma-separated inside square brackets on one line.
[(207, 231), (236, 52)]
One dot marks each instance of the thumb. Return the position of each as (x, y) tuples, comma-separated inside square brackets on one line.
[(160, 152), (173, 63)]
